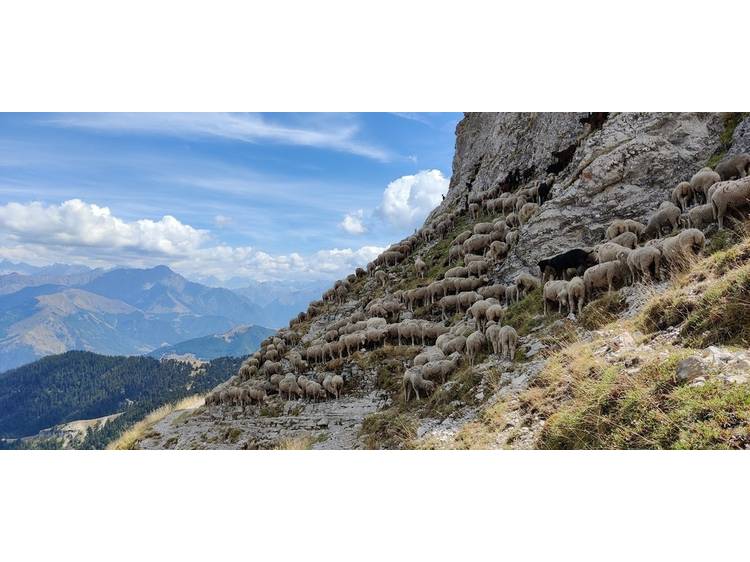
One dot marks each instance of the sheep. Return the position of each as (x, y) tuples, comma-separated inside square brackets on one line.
[(512, 220), (619, 226), (413, 381), (494, 313), (492, 291), (252, 395), (435, 289), (641, 260), (525, 283), (676, 250), (232, 397), (735, 167), (456, 272), (337, 384), (508, 341), (700, 216), (576, 294), (462, 237), (275, 380), (381, 277), (315, 390), (497, 250), (603, 275), (466, 299), (453, 344), (511, 239), (493, 336), (483, 228), (478, 268), (441, 368), (729, 195), (626, 240), (212, 399), (476, 243), (454, 254), (474, 345), (448, 303), (409, 329), (474, 210), (509, 203), (527, 212), (575, 258), (608, 251), (429, 355), (471, 258), (289, 386), (511, 294), (478, 311), (270, 368), (667, 215), (682, 194), (701, 182), (431, 331), (420, 267), (555, 291)]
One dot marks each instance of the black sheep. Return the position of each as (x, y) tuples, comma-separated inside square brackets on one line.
[(572, 259)]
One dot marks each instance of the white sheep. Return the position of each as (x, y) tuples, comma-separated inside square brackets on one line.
[(474, 345), (557, 292), (413, 381), (508, 342), (420, 267)]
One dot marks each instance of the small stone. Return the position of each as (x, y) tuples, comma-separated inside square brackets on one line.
[(691, 368)]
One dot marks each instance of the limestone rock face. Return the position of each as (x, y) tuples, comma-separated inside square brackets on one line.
[(623, 167), (740, 138)]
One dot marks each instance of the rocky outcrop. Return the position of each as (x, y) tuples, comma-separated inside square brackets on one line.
[(620, 165)]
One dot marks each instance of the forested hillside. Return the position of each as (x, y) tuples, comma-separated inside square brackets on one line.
[(81, 385)]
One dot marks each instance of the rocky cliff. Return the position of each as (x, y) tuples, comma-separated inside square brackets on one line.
[(601, 167)]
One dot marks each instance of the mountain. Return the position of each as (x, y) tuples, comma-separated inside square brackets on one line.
[(279, 301), (655, 354), (56, 269), (160, 290), (237, 342), (12, 282), (118, 312), (79, 385)]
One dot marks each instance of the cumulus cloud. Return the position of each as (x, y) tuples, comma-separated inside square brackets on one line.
[(78, 232), (75, 223), (352, 222), (409, 199)]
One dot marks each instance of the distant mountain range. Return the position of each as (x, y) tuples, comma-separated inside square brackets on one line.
[(237, 342), (53, 309)]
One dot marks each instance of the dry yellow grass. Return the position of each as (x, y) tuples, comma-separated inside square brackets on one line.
[(130, 437)]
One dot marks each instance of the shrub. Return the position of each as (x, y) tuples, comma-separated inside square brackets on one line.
[(388, 429), (526, 314), (603, 310)]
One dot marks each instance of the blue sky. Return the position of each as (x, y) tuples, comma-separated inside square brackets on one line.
[(244, 195)]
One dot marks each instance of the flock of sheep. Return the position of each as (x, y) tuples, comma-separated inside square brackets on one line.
[(299, 362), (709, 196)]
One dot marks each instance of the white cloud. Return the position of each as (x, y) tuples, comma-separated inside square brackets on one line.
[(75, 223), (409, 199), (335, 133), (78, 232), (352, 222), (221, 221)]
